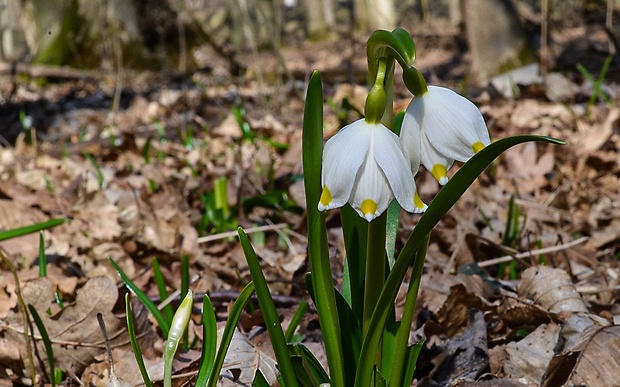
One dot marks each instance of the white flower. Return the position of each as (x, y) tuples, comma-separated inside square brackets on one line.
[(365, 164), (439, 127)]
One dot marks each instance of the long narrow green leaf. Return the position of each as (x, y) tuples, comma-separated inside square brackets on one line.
[(164, 325), (295, 320), (318, 253), (46, 342), (229, 330), (17, 232), (160, 282), (410, 363), (42, 260), (309, 369), (260, 380), (401, 350), (270, 314), (209, 342), (135, 346), (351, 337), (444, 200)]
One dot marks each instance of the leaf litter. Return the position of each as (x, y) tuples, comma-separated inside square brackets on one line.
[(135, 185)]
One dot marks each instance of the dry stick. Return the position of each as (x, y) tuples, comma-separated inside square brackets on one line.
[(114, 381), (591, 290), (531, 253), (223, 235), (104, 331)]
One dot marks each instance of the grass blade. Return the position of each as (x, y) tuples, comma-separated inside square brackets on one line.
[(167, 311), (229, 330), (209, 342), (46, 342), (401, 351), (42, 260), (135, 346), (17, 232), (259, 380), (270, 314), (318, 253), (299, 314), (164, 325)]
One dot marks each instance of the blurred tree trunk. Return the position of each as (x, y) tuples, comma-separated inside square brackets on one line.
[(375, 14), (320, 18), (496, 39), (14, 46), (455, 12), (236, 24), (269, 20)]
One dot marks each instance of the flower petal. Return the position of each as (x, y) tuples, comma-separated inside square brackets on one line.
[(436, 163), (410, 134), (371, 191), (343, 156), (452, 123), (389, 155)]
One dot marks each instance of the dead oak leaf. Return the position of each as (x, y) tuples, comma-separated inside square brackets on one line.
[(525, 165), (74, 331)]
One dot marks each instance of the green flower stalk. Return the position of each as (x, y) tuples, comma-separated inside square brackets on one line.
[(179, 323), (365, 164)]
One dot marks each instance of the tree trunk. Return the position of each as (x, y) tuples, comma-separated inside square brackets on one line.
[(497, 41), (320, 18), (375, 14)]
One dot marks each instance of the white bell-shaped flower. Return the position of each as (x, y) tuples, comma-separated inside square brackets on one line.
[(441, 126), (365, 165)]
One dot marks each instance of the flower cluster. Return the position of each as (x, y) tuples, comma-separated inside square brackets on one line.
[(367, 165)]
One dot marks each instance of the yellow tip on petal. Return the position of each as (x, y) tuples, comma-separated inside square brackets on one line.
[(418, 203), (478, 146), (440, 173), (326, 198), (369, 209)]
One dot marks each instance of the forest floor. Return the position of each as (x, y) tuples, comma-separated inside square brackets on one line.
[(138, 181)]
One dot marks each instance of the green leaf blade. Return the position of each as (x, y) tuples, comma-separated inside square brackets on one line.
[(444, 200), (270, 314), (229, 330), (209, 342), (164, 325), (318, 253)]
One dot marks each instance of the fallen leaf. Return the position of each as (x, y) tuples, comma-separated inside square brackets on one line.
[(593, 361), (528, 358), (74, 331), (552, 289)]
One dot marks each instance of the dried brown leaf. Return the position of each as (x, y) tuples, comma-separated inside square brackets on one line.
[(524, 164), (593, 361), (552, 289), (74, 331), (528, 359)]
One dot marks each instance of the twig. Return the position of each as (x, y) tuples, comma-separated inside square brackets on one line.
[(531, 253), (593, 290), (227, 234)]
